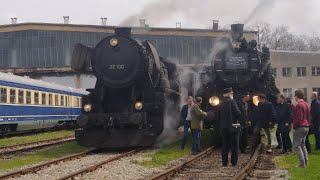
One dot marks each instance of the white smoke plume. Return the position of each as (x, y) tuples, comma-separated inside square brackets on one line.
[(193, 13)]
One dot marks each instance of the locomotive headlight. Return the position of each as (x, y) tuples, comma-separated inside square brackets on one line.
[(87, 108), (138, 106), (214, 101), (255, 100), (114, 42)]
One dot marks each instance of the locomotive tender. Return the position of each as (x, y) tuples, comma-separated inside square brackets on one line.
[(134, 88), (240, 65), (28, 104)]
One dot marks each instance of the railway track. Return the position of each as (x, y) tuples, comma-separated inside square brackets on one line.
[(207, 165), (263, 168), (4, 151), (38, 171)]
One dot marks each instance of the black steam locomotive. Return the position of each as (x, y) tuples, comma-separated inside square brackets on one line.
[(134, 88), (240, 65)]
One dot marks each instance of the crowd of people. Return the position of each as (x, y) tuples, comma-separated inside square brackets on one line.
[(235, 123)]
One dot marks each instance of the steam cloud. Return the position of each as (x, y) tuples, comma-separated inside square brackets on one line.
[(200, 13)]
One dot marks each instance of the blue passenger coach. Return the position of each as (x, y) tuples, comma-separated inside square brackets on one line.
[(29, 104)]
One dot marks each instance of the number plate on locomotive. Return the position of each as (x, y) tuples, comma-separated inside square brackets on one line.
[(116, 66)]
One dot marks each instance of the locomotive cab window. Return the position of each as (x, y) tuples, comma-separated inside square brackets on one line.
[(28, 97), (3, 95), (12, 96), (20, 96)]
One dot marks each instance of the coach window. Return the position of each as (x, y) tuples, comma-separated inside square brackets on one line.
[(20, 96), (56, 100), (62, 100), (50, 99), (28, 97), (80, 102), (3, 95), (36, 98), (68, 101), (12, 96)]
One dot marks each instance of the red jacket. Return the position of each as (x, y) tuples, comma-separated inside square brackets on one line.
[(301, 115)]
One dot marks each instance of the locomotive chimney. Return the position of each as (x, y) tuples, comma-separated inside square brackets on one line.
[(104, 21), (215, 24), (14, 20), (66, 19), (178, 25), (142, 22), (123, 32), (236, 31)]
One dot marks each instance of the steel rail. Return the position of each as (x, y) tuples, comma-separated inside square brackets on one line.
[(34, 145), (36, 168), (97, 166)]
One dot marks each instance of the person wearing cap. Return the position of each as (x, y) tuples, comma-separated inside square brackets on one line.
[(197, 117), (230, 128), (266, 117), (244, 121), (284, 119)]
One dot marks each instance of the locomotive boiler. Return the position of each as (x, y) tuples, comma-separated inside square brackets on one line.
[(134, 89), (240, 65)]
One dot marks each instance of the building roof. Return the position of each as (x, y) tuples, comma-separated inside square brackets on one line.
[(110, 29)]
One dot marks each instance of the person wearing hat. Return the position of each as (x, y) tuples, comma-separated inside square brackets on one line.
[(244, 121), (230, 128)]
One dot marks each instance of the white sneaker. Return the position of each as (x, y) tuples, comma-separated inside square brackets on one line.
[(269, 151)]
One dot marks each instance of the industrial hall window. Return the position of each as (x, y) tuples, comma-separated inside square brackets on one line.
[(301, 71), (315, 70), (3, 95), (28, 97), (286, 72), (287, 92)]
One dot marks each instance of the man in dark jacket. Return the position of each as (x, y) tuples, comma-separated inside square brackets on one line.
[(185, 116), (244, 121), (315, 117), (230, 128), (284, 119), (266, 116)]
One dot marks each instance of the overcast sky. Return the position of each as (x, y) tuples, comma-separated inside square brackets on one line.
[(302, 16)]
